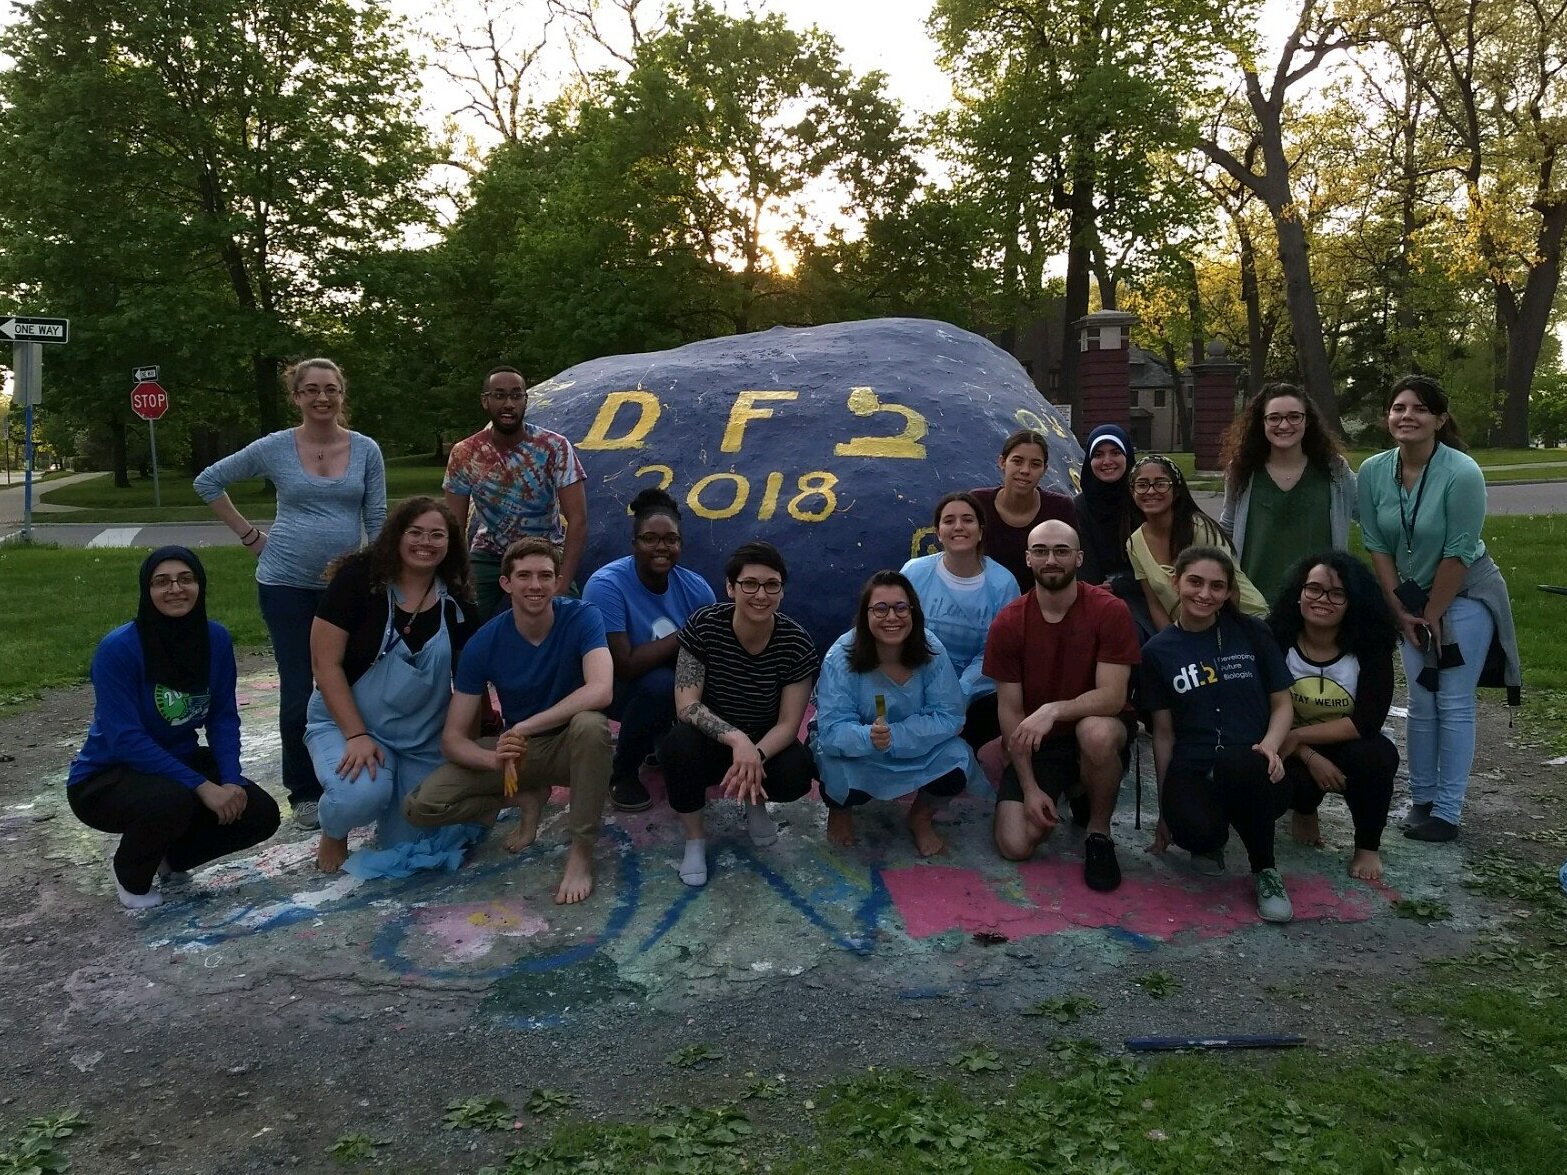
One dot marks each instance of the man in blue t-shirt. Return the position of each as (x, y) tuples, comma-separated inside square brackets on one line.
[(550, 665)]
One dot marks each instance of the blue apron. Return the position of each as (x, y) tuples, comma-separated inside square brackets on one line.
[(403, 698)]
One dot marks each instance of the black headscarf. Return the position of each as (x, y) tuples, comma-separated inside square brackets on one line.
[(1104, 511), (177, 651)]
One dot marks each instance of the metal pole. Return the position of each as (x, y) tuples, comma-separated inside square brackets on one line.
[(152, 440), (27, 481)]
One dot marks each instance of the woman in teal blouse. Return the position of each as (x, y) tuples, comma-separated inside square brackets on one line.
[(1422, 507)]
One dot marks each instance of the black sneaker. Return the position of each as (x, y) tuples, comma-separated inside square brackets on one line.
[(628, 795), (1418, 814), (1432, 828), (1101, 871)]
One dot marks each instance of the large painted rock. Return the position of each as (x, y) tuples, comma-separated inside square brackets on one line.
[(832, 442)]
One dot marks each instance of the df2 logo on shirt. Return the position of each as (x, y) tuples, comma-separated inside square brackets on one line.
[(1194, 676)]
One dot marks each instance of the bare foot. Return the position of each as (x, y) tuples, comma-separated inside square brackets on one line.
[(927, 841), (530, 808), (577, 882), (840, 827), (331, 853), (1366, 864), (1306, 829)]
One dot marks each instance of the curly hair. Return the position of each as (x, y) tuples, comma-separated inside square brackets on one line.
[(1184, 509), (1246, 442), (384, 558), (1368, 628), (1432, 395), (915, 651)]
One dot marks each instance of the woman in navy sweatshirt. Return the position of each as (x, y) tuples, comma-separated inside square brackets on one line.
[(142, 773)]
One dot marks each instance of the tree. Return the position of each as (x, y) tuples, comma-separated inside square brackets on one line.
[(190, 174), (1070, 116), (1495, 75)]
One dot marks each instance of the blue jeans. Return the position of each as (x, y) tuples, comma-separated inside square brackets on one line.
[(1440, 743), (288, 613), (646, 710)]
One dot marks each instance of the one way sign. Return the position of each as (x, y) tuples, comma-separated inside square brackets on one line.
[(36, 330)]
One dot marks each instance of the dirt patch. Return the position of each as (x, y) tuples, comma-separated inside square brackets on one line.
[(264, 1010)]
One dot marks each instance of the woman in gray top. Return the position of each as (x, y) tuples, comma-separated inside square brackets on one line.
[(331, 496)]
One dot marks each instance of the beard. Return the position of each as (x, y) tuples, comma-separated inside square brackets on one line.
[(1056, 580)]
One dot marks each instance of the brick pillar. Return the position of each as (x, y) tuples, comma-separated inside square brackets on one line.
[(1213, 403), (1104, 376)]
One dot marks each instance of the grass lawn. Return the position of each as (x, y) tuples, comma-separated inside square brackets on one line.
[(101, 501)]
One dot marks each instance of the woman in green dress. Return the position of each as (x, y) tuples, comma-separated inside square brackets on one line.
[(1287, 489)]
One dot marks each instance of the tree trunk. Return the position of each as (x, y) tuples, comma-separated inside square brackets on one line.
[(1526, 326), (1251, 297), (264, 373), (1080, 227), (122, 473), (440, 446)]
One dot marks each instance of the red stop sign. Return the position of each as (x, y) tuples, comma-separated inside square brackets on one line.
[(149, 400)]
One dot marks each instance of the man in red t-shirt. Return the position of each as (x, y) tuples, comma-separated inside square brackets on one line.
[(1061, 657)]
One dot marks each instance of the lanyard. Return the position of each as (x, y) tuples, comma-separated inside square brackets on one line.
[(1407, 525)]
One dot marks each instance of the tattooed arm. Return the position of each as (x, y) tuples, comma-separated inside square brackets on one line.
[(744, 776)]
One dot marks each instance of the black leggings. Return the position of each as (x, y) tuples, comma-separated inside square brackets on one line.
[(160, 819), (692, 763), (942, 788), (1200, 806), (1369, 765), (982, 724)]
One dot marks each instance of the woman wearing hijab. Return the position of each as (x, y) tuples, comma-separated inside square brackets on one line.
[(1106, 516), (142, 773)]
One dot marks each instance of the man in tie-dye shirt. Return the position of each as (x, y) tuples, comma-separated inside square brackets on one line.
[(519, 480)]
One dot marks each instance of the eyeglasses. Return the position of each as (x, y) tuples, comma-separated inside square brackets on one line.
[(659, 540), (319, 393), (1315, 591), (507, 397), (1274, 419), (1059, 554), (420, 535), (880, 609), (1157, 485), (162, 583), (751, 586)]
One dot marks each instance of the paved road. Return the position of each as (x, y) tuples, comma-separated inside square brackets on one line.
[(1513, 498)]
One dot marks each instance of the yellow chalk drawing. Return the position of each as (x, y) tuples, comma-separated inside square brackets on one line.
[(742, 492), (906, 444), (746, 410), (648, 412)]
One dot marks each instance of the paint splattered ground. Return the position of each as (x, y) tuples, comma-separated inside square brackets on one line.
[(265, 1010)]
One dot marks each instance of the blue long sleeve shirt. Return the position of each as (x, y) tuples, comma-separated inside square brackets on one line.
[(151, 729), (318, 518)]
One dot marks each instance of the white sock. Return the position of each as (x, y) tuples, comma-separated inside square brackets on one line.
[(137, 901), (693, 866), (762, 827)]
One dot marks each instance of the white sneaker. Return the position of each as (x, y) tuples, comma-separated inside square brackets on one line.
[(305, 816)]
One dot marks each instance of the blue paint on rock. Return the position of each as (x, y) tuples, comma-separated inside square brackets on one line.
[(833, 442)]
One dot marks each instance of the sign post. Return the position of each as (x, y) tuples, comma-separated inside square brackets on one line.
[(27, 376), (150, 401)]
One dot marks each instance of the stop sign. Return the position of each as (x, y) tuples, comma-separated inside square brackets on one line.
[(149, 400)]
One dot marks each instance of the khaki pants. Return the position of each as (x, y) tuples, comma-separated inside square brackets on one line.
[(577, 757)]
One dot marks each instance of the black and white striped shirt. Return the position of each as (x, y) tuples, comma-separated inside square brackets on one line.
[(742, 689)]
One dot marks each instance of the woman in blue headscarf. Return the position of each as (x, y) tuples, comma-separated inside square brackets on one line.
[(142, 773)]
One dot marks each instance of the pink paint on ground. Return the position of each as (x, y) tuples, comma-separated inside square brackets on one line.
[(935, 898), (467, 932)]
